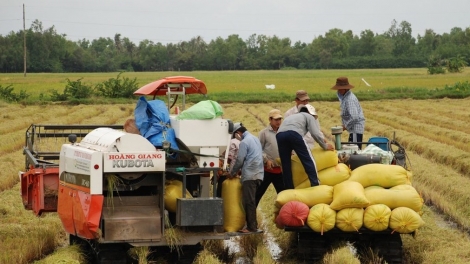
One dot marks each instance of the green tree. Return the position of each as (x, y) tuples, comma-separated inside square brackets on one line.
[(199, 47), (436, 65), (298, 57), (104, 52), (367, 43), (11, 52), (335, 43), (428, 43), (237, 49), (46, 48), (402, 38), (251, 60), (278, 52), (456, 64)]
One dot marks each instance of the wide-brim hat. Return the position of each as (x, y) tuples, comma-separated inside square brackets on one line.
[(342, 83), (310, 109)]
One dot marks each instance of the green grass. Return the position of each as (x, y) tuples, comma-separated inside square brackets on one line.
[(249, 86)]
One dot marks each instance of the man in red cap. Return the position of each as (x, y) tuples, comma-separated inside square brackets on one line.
[(352, 116)]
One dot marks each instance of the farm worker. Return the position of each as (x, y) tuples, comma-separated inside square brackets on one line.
[(301, 97), (232, 156), (272, 170), (250, 160), (352, 116), (290, 137)]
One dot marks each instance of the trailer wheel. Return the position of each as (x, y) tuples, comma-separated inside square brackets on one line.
[(387, 246), (311, 246)]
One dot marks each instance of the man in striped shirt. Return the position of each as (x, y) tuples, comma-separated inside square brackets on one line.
[(352, 116)]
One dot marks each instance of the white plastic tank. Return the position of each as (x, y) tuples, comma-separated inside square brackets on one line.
[(349, 148), (106, 139)]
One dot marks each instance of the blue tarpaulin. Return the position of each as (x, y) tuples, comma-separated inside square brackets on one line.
[(153, 121)]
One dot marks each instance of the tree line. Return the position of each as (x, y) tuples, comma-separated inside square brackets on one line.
[(49, 51)]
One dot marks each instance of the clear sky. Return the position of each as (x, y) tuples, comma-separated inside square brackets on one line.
[(172, 21)]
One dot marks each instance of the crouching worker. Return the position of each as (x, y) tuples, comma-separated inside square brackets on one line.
[(290, 137), (250, 160)]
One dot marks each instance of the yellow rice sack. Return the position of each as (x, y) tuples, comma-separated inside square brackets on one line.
[(303, 185), (380, 174), (334, 175), (323, 159), (398, 196), (348, 194), (404, 220), (403, 187), (349, 219), (173, 190), (309, 196), (329, 176), (321, 218), (234, 214), (377, 217)]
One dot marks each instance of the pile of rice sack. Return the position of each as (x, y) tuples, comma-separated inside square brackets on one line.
[(374, 196)]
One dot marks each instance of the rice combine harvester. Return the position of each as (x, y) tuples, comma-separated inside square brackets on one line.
[(108, 188)]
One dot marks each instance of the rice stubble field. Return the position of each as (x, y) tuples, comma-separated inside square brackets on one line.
[(436, 134)]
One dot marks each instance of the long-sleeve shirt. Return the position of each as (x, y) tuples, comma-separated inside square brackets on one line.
[(233, 151), (249, 158), (303, 123), (307, 137), (352, 116), (267, 137)]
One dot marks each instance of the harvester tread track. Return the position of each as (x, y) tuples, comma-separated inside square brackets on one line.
[(97, 253)]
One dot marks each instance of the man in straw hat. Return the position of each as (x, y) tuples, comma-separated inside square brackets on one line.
[(290, 137), (352, 116)]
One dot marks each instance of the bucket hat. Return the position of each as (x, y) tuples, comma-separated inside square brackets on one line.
[(342, 83), (302, 95)]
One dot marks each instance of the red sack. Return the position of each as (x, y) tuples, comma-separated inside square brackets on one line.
[(293, 213), (278, 223)]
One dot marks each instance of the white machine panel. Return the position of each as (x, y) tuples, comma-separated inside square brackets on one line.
[(212, 160), (196, 134), (82, 161), (141, 161)]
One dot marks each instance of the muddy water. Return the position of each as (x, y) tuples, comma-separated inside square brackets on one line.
[(234, 247)]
